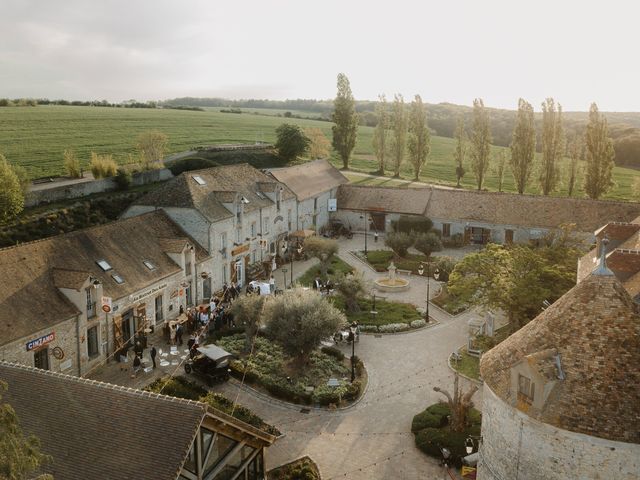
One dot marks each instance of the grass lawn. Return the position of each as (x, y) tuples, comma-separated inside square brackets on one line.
[(468, 365), (36, 138), (337, 266), (270, 368), (380, 260), (388, 312), (448, 303)]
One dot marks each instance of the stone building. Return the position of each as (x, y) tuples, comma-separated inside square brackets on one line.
[(315, 185), (622, 246), (478, 217), (237, 213), (52, 291), (95, 430), (561, 396)]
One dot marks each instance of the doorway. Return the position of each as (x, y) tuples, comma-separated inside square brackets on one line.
[(128, 328), (206, 288), (41, 358), (508, 237), (377, 222)]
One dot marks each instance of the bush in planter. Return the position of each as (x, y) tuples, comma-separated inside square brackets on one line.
[(334, 352), (393, 327), (399, 242), (426, 419), (368, 328), (418, 323)]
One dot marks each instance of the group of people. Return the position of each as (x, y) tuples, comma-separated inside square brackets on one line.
[(138, 351), (325, 288)]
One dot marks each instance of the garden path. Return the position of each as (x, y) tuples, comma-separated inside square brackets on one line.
[(372, 439)]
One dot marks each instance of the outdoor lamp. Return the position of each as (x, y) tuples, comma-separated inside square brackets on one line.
[(468, 445), (445, 454), (421, 269), (95, 283), (436, 274)]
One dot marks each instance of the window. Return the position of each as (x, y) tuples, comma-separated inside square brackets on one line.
[(278, 199), (199, 180), (221, 446), (206, 288), (224, 274), (265, 230), (253, 256), (188, 295), (223, 244), (526, 389), (315, 204), (92, 342), (446, 229), (149, 265), (117, 278), (159, 310), (187, 267), (289, 219), (41, 359), (253, 229), (239, 235), (104, 265), (91, 304)]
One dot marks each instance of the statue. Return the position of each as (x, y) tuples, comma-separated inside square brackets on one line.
[(392, 273)]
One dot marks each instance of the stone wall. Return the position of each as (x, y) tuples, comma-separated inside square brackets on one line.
[(517, 447), (82, 189)]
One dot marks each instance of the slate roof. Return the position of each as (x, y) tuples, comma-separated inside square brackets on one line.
[(32, 273), (94, 430), (595, 328), (310, 179), (221, 185), (488, 207)]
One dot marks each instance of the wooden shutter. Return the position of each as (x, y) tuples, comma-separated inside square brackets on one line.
[(118, 341), (467, 235)]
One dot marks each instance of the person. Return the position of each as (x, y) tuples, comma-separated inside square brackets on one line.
[(212, 305), (272, 284), (136, 365), (173, 333), (153, 355), (317, 284), (181, 309), (137, 349), (179, 331)]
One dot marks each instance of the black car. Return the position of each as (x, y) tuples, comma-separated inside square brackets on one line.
[(211, 364)]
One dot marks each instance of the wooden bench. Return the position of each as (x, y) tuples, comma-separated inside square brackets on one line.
[(404, 272)]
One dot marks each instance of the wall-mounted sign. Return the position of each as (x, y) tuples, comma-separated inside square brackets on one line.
[(66, 365), (106, 304), (174, 294), (39, 342), (240, 249), (58, 353), (147, 293), (332, 205)]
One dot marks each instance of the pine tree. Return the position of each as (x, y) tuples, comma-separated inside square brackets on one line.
[(523, 146), (419, 141), (345, 130), (600, 155), (461, 150), (381, 132), (480, 142), (399, 142), (552, 146)]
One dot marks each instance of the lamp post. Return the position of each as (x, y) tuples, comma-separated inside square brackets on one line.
[(352, 337), (421, 271), (445, 460), (284, 277), (365, 233)]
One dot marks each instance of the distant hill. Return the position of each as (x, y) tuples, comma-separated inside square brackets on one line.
[(624, 126)]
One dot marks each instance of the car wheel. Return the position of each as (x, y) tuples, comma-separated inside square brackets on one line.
[(187, 368)]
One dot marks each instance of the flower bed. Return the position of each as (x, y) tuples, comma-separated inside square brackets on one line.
[(271, 369), (388, 312), (336, 267)]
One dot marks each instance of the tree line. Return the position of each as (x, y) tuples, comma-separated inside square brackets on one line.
[(402, 134)]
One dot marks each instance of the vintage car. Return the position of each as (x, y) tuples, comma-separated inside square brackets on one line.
[(211, 363)]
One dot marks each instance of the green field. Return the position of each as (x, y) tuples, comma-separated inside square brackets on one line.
[(35, 137)]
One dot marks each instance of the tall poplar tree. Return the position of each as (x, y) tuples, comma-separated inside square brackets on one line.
[(552, 146), (501, 163), (381, 132), (480, 142), (345, 118), (523, 146), (399, 120), (575, 155), (461, 150), (419, 141), (600, 155)]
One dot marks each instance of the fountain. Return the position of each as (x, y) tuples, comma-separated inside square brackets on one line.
[(391, 283)]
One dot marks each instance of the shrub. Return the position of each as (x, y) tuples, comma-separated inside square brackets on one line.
[(123, 179), (418, 323), (242, 413), (102, 166), (399, 242), (368, 328), (72, 164), (177, 387), (431, 440), (426, 419), (445, 265), (192, 163), (412, 223), (393, 327), (456, 240), (427, 243), (334, 352)]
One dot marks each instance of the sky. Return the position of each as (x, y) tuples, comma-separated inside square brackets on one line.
[(446, 51)]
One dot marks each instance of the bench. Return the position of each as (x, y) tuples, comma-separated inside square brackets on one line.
[(456, 356), (404, 272)]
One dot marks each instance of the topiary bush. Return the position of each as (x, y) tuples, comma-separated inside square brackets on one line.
[(334, 352)]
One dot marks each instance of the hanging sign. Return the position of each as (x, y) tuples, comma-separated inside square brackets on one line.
[(106, 304)]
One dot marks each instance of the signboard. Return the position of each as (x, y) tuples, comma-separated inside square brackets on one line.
[(332, 205), (66, 365), (468, 472), (40, 342), (240, 249), (147, 293), (106, 304)]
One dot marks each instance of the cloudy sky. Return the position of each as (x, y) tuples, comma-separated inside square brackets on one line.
[(447, 51)]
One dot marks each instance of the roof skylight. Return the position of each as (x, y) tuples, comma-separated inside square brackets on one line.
[(117, 278), (149, 265), (199, 180), (260, 195), (104, 265)]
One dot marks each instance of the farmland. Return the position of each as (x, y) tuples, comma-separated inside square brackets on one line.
[(36, 137)]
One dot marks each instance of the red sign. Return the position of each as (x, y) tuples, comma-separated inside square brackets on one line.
[(40, 342)]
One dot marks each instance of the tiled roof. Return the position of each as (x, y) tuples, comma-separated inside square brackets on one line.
[(488, 207), (595, 327), (410, 201), (221, 185), (310, 179), (94, 430), (31, 273)]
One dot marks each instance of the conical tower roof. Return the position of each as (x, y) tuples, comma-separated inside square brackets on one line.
[(587, 345)]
